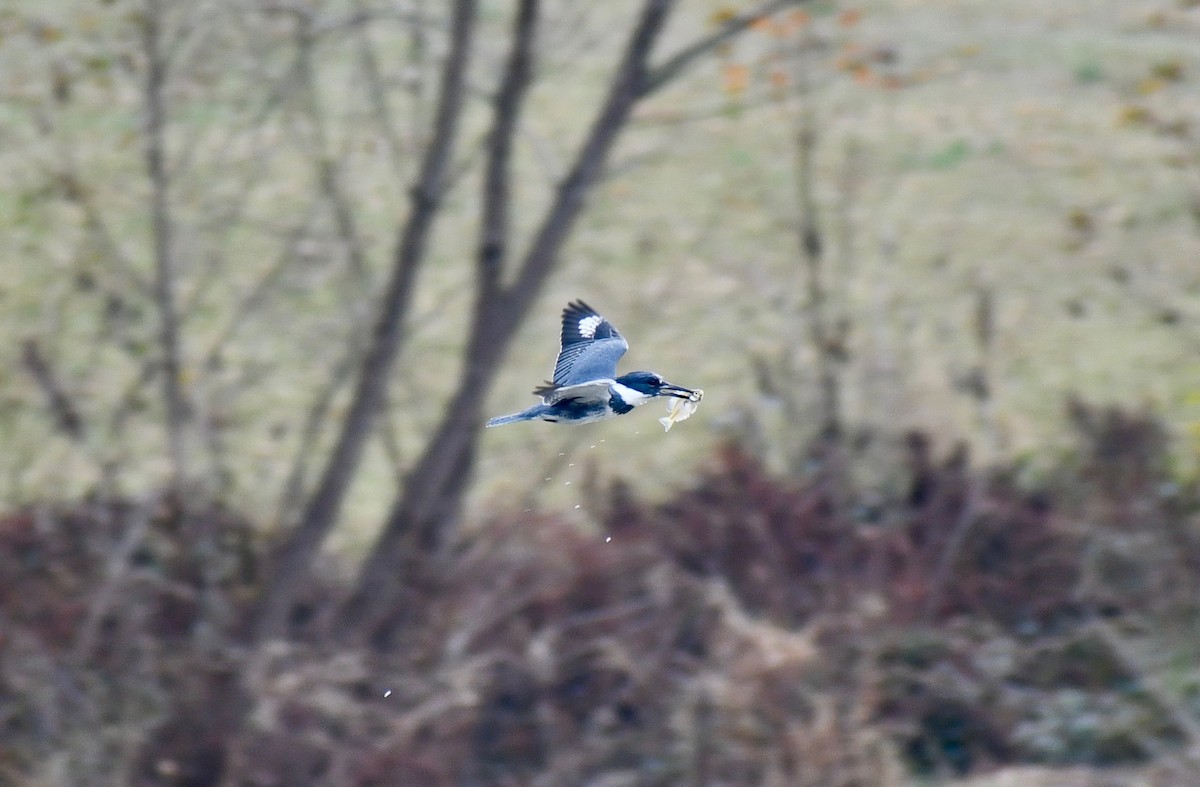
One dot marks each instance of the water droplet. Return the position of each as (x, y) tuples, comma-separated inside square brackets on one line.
[(592, 446), (562, 453), (607, 539), (547, 478), (566, 483), (576, 506), (387, 694), (572, 464)]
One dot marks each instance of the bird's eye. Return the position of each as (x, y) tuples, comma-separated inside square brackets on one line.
[(657, 382)]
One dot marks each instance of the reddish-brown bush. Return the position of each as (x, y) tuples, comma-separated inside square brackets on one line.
[(748, 630)]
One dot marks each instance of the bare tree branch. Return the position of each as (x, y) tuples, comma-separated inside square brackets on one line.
[(229, 215), (61, 407), (261, 290), (295, 556), (434, 488), (357, 19), (674, 65), (368, 59), (318, 412), (328, 175), (418, 63), (628, 85), (115, 569), (812, 251), (493, 244), (164, 259), (76, 190)]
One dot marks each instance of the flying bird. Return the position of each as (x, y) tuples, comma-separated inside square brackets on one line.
[(586, 387)]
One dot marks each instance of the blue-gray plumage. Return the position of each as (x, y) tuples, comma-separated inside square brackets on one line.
[(586, 387)]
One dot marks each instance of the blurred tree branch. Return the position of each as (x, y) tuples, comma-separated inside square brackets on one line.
[(297, 551), (418, 524), (61, 407), (165, 261), (275, 125), (673, 66), (450, 451)]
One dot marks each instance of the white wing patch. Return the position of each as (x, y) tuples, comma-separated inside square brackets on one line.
[(589, 324)]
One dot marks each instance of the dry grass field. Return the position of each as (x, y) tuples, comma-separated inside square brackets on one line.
[(1044, 153)]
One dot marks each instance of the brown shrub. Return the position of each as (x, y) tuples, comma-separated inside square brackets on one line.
[(750, 630)]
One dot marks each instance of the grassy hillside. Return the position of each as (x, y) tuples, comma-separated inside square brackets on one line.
[(1045, 154)]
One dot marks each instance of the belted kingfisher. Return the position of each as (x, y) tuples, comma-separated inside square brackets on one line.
[(586, 387)]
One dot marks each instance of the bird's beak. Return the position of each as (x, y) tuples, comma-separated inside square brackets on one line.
[(676, 390)]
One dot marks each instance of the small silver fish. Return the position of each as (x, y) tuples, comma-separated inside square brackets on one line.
[(681, 409)]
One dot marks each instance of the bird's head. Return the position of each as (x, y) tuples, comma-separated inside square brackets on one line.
[(650, 385)]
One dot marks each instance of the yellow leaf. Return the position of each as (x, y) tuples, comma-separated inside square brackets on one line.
[(1168, 70), (721, 16), (1133, 115), (1150, 85)]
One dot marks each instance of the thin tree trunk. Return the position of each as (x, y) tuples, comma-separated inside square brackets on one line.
[(164, 260), (434, 487), (433, 490), (294, 559), (812, 249)]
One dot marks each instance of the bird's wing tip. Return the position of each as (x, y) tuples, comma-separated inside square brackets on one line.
[(577, 305)]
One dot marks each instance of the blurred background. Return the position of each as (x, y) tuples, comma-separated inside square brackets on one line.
[(272, 264)]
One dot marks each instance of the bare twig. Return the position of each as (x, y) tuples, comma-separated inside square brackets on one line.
[(229, 215), (629, 84), (968, 517), (493, 242), (360, 18), (103, 598), (77, 191), (812, 250), (318, 412), (418, 62), (57, 400), (260, 292), (368, 60), (328, 175), (681, 60), (1151, 680), (572, 32)]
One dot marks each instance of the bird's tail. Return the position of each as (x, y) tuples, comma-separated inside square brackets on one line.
[(524, 415)]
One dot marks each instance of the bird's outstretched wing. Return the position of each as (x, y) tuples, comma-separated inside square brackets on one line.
[(590, 347), (591, 391)]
